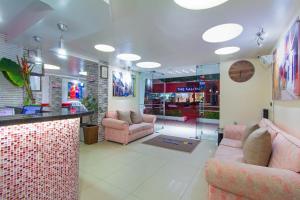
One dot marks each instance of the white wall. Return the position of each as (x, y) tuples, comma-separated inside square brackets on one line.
[(123, 103), (243, 102), (10, 95), (287, 116)]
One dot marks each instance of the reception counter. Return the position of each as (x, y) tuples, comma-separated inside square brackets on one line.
[(39, 156)]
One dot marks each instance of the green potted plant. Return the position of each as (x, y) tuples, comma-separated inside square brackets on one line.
[(90, 130), (18, 74)]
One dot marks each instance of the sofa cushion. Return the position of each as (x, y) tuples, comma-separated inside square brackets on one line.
[(258, 148), (272, 128), (234, 132), (135, 128), (231, 143), (136, 117), (286, 153), (248, 131), (229, 153), (124, 116), (111, 114)]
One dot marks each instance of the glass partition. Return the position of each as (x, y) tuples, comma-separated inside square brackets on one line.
[(209, 104), (154, 97)]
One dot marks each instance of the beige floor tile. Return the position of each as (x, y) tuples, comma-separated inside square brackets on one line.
[(198, 189), (131, 197), (110, 171), (127, 157), (162, 188), (101, 168), (92, 188), (129, 178), (170, 182)]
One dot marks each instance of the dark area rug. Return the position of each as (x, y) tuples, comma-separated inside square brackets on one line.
[(174, 143)]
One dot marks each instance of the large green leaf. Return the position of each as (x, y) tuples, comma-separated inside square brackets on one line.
[(9, 65), (14, 79), (12, 72)]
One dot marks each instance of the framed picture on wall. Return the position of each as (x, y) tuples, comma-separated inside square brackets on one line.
[(36, 83), (286, 66), (37, 68), (104, 71), (123, 83)]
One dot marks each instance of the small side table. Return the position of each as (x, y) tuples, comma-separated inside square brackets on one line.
[(220, 135)]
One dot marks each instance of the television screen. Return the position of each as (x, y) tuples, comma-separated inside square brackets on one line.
[(30, 110), (75, 90)]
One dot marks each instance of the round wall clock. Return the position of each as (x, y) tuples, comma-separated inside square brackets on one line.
[(241, 71)]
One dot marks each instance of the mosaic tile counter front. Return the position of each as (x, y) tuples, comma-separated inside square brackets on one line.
[(40, 160)]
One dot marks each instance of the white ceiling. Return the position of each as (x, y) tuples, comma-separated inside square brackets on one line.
[(157, 30)]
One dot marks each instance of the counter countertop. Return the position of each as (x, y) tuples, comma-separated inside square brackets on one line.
[(48, 116)]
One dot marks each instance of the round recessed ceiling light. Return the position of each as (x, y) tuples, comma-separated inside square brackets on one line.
[(227, 50), (128, 57), (222, 33), (148, 65), (54, 67), (199, 4), (104, 48)]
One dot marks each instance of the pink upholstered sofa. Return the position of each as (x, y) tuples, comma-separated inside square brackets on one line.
[(120, 131), (231, 179)]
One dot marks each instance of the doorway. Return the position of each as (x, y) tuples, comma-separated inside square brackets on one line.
[(185, 106)]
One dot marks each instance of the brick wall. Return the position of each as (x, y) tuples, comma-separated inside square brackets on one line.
[(98, 87)]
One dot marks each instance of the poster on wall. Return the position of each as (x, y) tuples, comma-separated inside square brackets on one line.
[(286, 70), (75, 90), (123, 84)]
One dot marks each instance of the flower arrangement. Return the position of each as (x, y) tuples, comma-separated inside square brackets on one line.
[(18, 74), (26, 69)]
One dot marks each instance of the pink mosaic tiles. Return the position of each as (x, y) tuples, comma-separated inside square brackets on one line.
[(40, 161)]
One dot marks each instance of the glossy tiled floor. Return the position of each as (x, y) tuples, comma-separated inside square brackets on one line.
[(110, 171)]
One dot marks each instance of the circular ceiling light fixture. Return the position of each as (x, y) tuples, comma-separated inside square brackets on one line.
[(222, 33), (128, 57), (104, 48), (227, 50), (148, 65), (199, 4), (53, 67)]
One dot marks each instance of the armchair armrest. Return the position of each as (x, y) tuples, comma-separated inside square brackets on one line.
[(234, 132), (253, 182), (115, 124), (149, 118)]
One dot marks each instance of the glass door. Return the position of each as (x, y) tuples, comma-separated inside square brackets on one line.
[(155, 97), (208, 77)]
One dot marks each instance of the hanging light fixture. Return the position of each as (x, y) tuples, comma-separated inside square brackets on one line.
[(61, 51), (38, 52)]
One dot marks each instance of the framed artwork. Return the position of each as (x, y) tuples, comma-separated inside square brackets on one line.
[(286, 66), (38, 68), (123, 84), (36, 83), (104, 71), (75, 90)]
